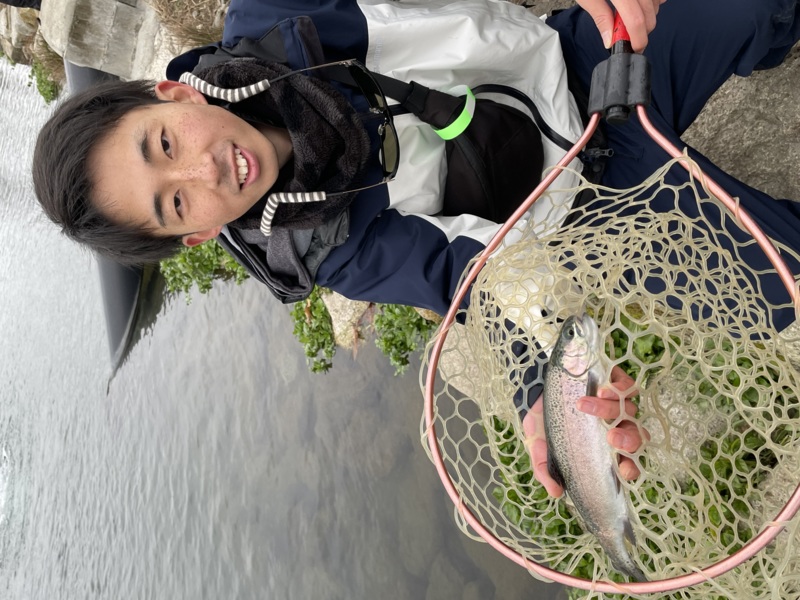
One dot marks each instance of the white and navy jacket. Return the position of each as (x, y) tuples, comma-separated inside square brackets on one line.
[(399, 249)]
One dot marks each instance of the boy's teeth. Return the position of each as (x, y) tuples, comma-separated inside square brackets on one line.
[(241, 163)]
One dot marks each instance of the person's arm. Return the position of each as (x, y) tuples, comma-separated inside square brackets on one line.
[(639, 17), (340, 24), (405, 259)]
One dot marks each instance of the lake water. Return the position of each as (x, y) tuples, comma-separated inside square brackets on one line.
[(213, 465)]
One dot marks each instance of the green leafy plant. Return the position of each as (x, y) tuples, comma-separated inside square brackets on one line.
[(314, 329), (200, 266), (401, 331), (48, 87)]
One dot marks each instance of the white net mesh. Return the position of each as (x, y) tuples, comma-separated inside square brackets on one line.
[(683, 313)]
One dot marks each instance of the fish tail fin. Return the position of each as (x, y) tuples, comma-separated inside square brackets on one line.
[(624, 563), (621, 550), (632, 571)]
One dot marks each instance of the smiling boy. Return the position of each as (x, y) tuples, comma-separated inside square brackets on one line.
[(135, 173)]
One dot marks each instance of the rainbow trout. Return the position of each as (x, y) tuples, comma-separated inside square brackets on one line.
[(579, 457)]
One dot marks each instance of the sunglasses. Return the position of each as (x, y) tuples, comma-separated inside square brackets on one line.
[(354, 73)]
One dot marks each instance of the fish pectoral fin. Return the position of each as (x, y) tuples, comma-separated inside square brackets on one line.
[(617, 482), (555, 472)]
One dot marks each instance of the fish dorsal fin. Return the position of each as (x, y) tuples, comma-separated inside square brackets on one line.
[(617, 482), (555, 472)]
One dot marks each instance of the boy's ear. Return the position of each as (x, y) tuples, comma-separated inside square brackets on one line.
[(194, 239), (174, 91)]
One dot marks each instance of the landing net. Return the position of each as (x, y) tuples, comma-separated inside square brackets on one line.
[(681, 311)]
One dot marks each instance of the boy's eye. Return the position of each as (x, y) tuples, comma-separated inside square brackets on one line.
[(165, 145), (177, 200)]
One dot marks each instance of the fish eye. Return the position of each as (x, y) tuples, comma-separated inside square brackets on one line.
[(570, 332)]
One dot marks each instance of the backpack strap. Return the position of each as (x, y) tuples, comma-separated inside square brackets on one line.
[(442, 110)]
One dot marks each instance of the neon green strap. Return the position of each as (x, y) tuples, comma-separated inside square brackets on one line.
[(457, 127)]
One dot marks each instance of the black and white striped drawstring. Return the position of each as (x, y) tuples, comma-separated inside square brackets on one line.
[(229, 95), (273, 200), (237, 95)]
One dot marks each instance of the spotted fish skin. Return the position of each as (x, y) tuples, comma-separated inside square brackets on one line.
[(579, 456)]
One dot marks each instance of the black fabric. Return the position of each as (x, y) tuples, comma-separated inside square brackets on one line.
[(501, 154), (37, 4)]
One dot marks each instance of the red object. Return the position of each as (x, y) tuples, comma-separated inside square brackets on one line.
[(620, 33)]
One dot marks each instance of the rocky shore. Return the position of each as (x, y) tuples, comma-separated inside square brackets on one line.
[(17, 31)]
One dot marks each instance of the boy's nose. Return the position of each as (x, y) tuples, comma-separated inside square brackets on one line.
[(203, 169)]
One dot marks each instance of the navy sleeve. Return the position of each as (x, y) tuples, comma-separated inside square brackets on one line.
[(341, 25), (400, 259)]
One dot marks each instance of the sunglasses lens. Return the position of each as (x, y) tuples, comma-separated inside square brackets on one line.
[(390, 150), (390, 145), (369, 87)]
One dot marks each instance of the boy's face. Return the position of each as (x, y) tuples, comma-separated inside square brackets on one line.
[(175, 167)]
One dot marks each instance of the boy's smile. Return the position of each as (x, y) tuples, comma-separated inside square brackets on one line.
[(184, 167)]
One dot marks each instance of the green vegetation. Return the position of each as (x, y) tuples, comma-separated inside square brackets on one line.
[(400, 332), (200, 266), (46, 84), (47, 69), (314, 329)]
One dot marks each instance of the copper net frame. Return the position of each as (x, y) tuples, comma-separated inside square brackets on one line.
[(620, 45)]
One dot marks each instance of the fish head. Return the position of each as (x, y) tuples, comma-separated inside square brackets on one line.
[(578, 346)]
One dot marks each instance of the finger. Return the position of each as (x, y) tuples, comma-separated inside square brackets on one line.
[(605, 408), (602, 16), (533, 423), (639, 18), (621, 383), (628, 469), (533, 426), (626, 436), (540, 471), (619, 376)]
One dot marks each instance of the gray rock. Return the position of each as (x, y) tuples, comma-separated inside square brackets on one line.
[(17, 30), (121, 37), (751, 128), (346, 316)]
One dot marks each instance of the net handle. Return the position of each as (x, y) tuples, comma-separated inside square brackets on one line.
[(755, 545)]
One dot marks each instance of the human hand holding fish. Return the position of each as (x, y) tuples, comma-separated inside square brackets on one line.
[(580, 456), (606, 405)]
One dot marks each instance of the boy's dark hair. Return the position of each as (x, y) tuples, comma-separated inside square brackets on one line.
[(62, 180)]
